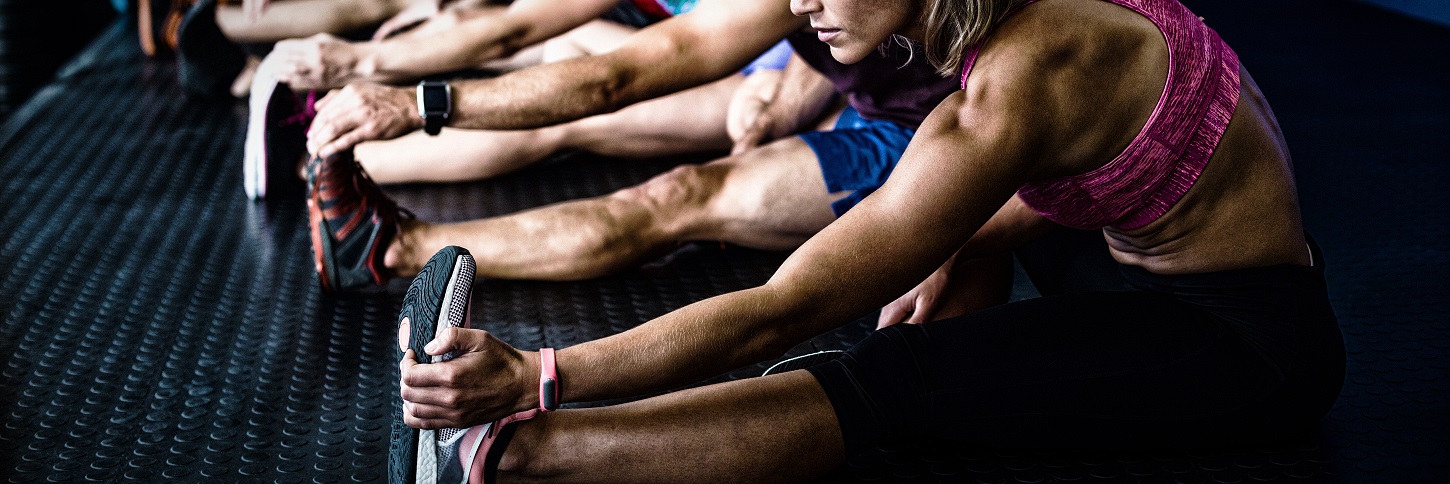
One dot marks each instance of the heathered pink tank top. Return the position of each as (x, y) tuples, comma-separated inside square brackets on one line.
[(1169, 154)]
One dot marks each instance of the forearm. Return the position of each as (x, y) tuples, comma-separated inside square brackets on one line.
[(509, 102), (696, 342), (833, 279), (495, 34), (668, 57), (468, 45), (555, 93)]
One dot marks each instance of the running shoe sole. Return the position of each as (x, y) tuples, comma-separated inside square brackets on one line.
[(254, 149), (437, 299), (273, 147)]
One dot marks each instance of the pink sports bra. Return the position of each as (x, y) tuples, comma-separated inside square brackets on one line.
[(1169, 154)]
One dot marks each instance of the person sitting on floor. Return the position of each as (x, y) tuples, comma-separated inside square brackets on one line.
[(461, 36), (323, 44), (1131, 117), (774, 192), (208, 35), (526, 33)]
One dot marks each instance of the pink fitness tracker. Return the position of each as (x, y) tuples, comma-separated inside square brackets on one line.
[(548, 381)]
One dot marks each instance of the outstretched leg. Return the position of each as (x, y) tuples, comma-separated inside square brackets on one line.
[(775, 428), (772, 197), (596, 37), (690, 121)]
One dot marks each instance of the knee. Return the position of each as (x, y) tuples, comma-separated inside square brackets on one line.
[(685, 188)]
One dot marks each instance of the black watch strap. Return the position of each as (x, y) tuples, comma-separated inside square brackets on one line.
[(433, 125), (435, 104)]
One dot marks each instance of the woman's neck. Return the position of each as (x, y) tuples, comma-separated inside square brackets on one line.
[(916, 31)]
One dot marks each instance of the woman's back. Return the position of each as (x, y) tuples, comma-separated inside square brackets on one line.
[(1100, 70)]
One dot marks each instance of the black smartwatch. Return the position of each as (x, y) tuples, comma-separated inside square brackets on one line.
[(435, 104)]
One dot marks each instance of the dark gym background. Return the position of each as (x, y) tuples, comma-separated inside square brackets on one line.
[(158, 327)]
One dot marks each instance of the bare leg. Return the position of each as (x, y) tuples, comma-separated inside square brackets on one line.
[(772, 197), (527, 57), (775, 428), (691, 121), (593, 38), (301, 18)]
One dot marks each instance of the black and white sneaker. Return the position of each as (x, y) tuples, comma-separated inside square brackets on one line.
[(437, 299), (276, 140)]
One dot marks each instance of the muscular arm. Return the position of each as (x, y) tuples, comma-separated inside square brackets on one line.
[(972, 278), (1022, 117), (476, 40), (962, 165), (965, 162), (715, 39)]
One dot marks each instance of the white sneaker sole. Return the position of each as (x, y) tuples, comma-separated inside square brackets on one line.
[(452, 312), (254, 149)]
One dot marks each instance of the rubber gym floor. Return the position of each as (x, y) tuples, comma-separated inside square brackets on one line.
[(160, 327)]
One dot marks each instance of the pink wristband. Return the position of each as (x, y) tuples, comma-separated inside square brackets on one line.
[(548, 381)]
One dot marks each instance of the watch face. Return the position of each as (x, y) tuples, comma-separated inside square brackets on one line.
[(435, 98)]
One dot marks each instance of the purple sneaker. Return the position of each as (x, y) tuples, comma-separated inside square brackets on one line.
[(276, 137)]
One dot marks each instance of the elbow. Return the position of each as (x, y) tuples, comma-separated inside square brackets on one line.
[(516, 38), (503, 45), (616, 87), (788, 320), (635, 73), (766, 346)]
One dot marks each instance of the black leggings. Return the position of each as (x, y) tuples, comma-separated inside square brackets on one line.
[(1179, 361)]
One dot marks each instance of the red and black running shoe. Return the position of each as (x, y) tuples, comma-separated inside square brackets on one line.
[(352, 223)]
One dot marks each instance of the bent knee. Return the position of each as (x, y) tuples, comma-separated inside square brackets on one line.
[(685, 187)]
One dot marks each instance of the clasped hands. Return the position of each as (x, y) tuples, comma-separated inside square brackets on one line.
[(362, 111), (489, 380)]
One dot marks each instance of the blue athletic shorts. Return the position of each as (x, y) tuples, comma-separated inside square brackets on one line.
[(857, 155), (772, 60)]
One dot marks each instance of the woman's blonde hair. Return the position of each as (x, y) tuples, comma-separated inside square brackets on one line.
[(954, 26)]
